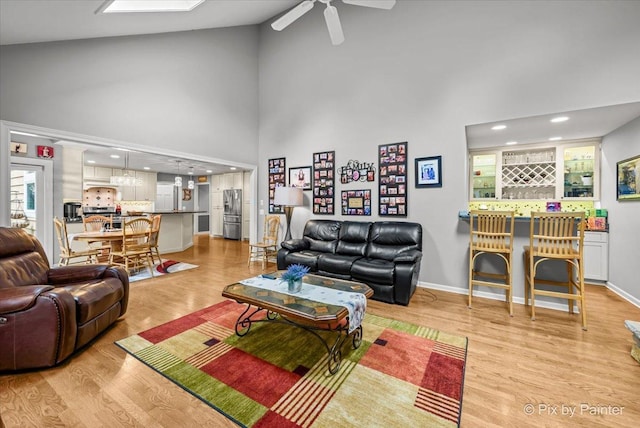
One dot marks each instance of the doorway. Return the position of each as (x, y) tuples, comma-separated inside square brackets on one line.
[(31, 199)]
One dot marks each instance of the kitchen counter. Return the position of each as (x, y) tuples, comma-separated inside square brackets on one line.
[(176, 230), (169, 212)]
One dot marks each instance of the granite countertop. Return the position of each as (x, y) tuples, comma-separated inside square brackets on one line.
[(173, 212), (464, 215)]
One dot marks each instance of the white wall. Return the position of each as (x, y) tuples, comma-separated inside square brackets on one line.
[(192, 91), (422, 72), (621, 144)]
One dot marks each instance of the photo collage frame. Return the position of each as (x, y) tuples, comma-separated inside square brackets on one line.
[(356, 202), (392, 167), (277, 178), (323, 182)]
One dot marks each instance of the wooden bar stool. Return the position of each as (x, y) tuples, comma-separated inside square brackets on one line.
[(553, 236), (491, 232)]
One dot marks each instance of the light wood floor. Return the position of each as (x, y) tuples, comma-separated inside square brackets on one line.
[(512, 362)]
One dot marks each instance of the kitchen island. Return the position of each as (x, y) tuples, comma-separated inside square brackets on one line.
[(176, 230)]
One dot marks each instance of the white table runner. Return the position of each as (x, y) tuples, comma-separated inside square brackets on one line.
[(356, 303)]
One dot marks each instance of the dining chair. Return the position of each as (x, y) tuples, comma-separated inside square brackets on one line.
[(96, 223), (134, 251), (154, 237), (66, 253), (268, 247), (491, 233), (556, 236)]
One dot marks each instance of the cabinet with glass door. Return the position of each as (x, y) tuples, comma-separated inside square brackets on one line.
[(580, 169), (483, 175)]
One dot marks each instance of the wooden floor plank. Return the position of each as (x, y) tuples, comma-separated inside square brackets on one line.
[(512, 361)]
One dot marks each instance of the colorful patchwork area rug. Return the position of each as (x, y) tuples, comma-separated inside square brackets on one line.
[(167, 266), (402, 375)]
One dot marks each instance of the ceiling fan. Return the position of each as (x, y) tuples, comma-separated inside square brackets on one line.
[(330, 15)]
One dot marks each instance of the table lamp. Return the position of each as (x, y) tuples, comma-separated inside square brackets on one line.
[(288, 197)]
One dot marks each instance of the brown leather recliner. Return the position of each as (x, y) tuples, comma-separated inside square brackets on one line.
[(48, 313)]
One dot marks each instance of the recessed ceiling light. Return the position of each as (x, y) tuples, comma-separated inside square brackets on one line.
[(209, 171), (511, 143), (233, 168), (146, 168), (559, 119), (114, 156), (91, 161), (123, 6), (498, 127), (555, 138), (121, 149)]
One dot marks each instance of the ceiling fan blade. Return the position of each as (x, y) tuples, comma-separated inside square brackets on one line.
[(379, 4), (285, 20), (333, 24)]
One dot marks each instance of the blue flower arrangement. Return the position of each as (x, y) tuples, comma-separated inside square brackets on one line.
[(295, 273)]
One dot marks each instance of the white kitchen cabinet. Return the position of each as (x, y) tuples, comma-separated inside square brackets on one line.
[(217, 212), (596, 256), (238, 180), (246, 205), (145, 192), (216, 182)]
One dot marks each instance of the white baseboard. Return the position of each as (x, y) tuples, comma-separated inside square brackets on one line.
[(493, 296), (626, 296)]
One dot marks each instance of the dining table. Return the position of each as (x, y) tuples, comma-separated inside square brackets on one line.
[(113, 236)]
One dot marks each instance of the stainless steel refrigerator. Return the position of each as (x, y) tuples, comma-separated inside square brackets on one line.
[(232, 217)]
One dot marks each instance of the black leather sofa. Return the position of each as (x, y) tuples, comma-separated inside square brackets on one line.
[(384, 255)]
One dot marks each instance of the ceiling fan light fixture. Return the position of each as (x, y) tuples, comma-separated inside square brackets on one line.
[(378, 4), (333, 24), (330, 15), (287, 19)]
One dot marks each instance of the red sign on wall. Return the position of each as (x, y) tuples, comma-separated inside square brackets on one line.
[(45, 152)]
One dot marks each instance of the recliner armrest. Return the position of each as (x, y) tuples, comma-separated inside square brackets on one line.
[(17, 299), (296, 244), (409, 256), (67, 274)]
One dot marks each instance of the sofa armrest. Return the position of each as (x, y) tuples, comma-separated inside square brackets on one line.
[(409, 256), (17, 299), (66, 274), (296, 244), (40, 330)]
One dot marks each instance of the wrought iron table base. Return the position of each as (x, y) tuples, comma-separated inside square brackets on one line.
[(244, 322)]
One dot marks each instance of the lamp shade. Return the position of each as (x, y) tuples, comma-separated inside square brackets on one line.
[(288, 196)]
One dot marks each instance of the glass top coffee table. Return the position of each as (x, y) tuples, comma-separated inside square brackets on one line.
[(265, 305)]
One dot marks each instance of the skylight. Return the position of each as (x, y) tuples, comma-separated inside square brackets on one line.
[(127, 6)]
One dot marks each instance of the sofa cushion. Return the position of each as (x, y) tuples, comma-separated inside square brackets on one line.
[(306, 258), (23, 269), (353, 238), (322, 235), (373, 270), (387, 239), (94, 297), (336, 263)]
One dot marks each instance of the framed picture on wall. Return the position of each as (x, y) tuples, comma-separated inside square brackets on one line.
[(429, 172), (628, 181), (392, 191), (300, 177), (277, 178), (356, 202), (323, 185)]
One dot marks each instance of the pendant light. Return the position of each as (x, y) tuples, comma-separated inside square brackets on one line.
[(191, 184), (178, 180)]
